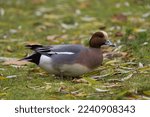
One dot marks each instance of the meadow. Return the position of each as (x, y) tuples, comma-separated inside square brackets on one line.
[(125, 73)]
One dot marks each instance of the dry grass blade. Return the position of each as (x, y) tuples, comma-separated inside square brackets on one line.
[(76, 92), (80, 81), (101, 90), (100, 77), (127, 77)]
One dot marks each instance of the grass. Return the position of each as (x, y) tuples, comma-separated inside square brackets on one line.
[(32, 21)]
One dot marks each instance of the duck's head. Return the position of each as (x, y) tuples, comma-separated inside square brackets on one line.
[(100, 38)]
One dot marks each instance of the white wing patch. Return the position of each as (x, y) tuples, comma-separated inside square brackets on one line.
[(68, 53), (50, 51)]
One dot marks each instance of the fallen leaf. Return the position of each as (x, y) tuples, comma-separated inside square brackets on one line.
[(119, 17), (127, 77), (84, 4), (145, 43), (5, 88), (101, 76), (35, 87), (141, 65), (43, 10), (9, 49), (118, 48), (52, 37), (42, 73), (12, 76), (144, 68), (3, 59), (15, 62), (48, 83), (122, 71), (69, 26), (114, 80), (2, 12), (76, 92), (129, 63), (136, 20), (81, 94), (145, 15), (88, 19), (111, 55), (63, 89), (112, 62), (118, 5), (37, 70), (2, 69), (51, 16), (47, 87), (131, 37), (115, 27), (48, 24), (114, 85), (78, 12), (140, 30), (127, 4), (127, 68), (101, 90), (13, 31), (80, 81), (145, 97), (119, 34)]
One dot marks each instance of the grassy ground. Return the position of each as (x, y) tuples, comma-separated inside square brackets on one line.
[(125, 73)]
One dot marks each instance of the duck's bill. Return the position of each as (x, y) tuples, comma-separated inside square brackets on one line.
[(109, 43)]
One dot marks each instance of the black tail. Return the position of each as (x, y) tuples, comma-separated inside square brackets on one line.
[(33, 47), (34, 58), (28, 58)]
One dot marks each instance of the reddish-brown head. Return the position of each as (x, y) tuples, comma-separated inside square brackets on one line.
[(98, 39)]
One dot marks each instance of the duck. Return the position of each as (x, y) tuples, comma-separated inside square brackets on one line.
[(70, 60)]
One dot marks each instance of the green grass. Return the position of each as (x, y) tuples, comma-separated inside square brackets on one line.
[(25, 21)]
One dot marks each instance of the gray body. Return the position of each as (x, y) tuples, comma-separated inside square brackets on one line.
[(68, 60)]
